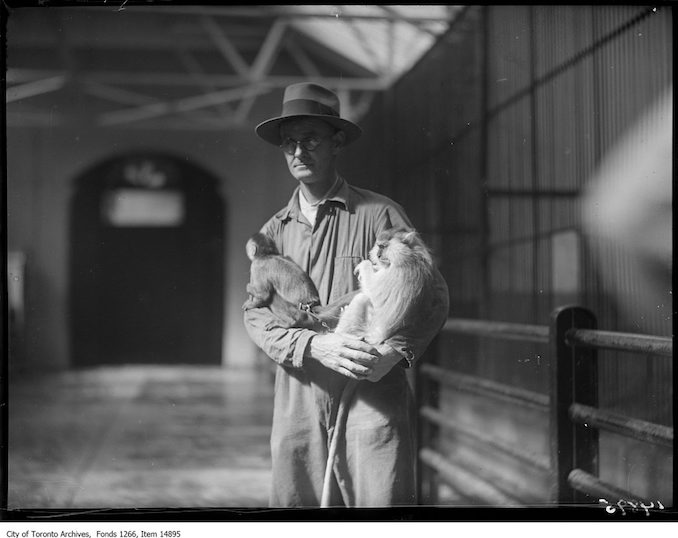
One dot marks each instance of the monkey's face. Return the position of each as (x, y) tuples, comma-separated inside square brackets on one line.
[(379, 255), (396, 248)]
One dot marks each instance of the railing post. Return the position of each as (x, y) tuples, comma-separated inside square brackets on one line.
[(426, 394), (573, 378)]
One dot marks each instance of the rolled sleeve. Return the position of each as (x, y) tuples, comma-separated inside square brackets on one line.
[(283, 345)]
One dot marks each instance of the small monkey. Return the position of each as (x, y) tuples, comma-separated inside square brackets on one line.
[(279, 283)]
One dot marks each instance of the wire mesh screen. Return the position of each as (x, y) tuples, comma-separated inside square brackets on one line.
[(489, 142)]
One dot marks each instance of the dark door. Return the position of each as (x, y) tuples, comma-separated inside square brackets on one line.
[(146, 263)]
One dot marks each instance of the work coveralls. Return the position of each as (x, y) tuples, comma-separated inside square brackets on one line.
[(375, 465)]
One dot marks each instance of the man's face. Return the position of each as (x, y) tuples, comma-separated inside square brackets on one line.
[(316, 165)]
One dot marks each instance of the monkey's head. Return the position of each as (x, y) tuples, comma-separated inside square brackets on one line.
[(396, 279), (260, 245), (399, 247)]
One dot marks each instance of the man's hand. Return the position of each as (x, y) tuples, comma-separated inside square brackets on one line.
[(346, 355)]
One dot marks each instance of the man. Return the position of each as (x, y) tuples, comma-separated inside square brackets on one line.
[(327, 228)]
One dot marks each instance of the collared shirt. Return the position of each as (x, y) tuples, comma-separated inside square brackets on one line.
[(309, 210), (347, 225)]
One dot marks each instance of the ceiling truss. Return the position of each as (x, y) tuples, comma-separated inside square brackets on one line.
[(225, 59)]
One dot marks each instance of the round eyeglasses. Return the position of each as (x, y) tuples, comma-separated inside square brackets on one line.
[(289, 145)]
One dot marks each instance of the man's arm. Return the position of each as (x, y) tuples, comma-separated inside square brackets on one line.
[(293, 346), (282, 344)]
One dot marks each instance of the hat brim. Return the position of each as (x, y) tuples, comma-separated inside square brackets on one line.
[(269, 130)]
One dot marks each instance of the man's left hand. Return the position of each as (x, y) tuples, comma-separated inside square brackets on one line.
[(388, 359)]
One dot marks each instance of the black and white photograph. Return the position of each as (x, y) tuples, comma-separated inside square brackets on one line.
[(336, 263)]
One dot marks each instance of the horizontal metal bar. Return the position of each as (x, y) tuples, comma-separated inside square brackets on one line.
[(629, 427), (464, 480), (509, 193), (639, 343), (497, 329), (591, 485), (485, 387), (269, 12), (145, 78), (440, 419), (33, 88), (464, 254)]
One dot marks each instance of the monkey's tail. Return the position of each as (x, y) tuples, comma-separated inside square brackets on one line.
[(338, 433)]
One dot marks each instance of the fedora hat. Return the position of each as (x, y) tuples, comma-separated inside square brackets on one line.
[(308, 100)]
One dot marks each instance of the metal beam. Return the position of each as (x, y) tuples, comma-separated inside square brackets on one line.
[(245, 106), (117, 95), (269, 50), (181, 105), (36, 87), (180, 79), (196, 72), (285, 12), (417, 24), (377, 64), (301, 58), (182, 124), (227, 49)]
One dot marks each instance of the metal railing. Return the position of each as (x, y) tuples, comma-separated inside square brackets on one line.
[(571, 405)]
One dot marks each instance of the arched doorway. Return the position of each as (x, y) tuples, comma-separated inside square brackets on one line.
[(146, 264)]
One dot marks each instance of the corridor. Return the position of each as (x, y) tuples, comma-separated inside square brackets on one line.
[(531, 146), (140, 436)]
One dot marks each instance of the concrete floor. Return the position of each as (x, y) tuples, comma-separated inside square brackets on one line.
[(140, 436)]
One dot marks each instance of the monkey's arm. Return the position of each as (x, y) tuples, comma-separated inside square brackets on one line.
[(412, 340)]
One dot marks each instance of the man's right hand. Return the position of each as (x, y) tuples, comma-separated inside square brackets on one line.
[(346, 355)]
